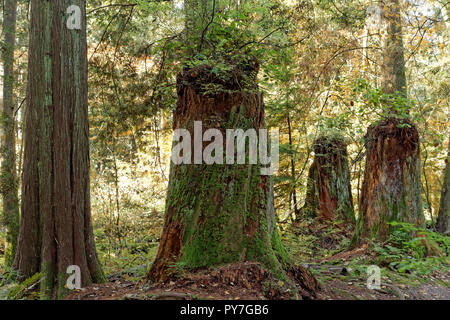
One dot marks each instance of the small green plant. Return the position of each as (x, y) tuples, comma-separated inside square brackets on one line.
[(385, 105), (408, 249)]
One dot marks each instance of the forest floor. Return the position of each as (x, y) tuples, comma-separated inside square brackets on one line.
[(198, 288), (407, 271), (341, 274)]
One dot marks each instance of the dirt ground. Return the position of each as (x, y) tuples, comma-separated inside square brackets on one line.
[(325, 276), (247, 282)]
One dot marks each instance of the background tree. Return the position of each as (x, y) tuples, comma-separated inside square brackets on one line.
[(393, 73), (56, 229), (329, 193), (443, 220), (320, 65), (391, 189), (132, 70), (9, 183)]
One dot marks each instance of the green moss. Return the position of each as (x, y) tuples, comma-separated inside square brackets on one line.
[(61, 290), (46, 286), (223, 211), (19, 291), (280, 251), (330, 169)]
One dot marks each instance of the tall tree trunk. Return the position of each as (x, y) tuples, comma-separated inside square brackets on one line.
[(329, 193), (393, 74), (391, 185), (56, 230), (9, 182), (443, 220)]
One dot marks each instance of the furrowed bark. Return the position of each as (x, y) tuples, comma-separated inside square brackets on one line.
[(9, 182), (56, 230), (219, 213), (391, 186), (443, 220), (393, 74), (328, 192)]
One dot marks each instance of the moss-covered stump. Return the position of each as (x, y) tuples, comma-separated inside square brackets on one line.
[(391, 186), (220, 213), (328, 194)]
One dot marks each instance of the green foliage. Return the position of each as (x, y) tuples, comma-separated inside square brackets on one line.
[(385, 105), (241, 30), (23, 290), (309, 240), (133, 245), (352, 13), (406, 249)]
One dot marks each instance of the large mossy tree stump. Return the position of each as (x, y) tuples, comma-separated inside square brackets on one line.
[(329, 193), (220, 213), (391, 186)]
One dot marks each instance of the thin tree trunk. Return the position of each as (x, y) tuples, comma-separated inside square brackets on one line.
[(21, 130), (9, 182), (393, 74), (294, 193), (56, 230), (117, 197), (197, 13), (443, 220)]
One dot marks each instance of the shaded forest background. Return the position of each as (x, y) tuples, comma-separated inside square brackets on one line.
[(320, 69)]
